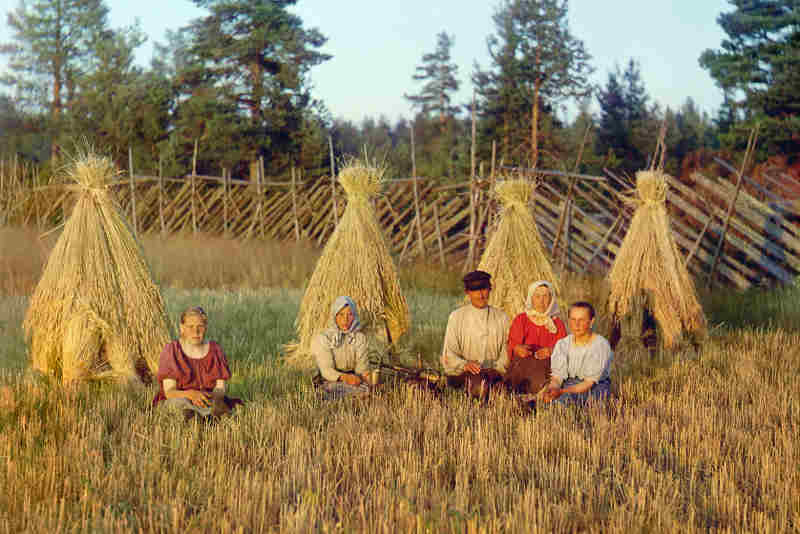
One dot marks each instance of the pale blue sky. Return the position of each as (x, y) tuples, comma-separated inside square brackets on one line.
[(377, 44)]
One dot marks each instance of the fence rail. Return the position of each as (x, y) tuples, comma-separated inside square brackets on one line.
[(579, 217)]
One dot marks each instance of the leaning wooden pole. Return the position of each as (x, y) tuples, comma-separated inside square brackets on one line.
[(472, 219), (732, 206)]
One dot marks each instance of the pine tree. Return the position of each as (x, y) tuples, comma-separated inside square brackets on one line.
[(758, 68), (256, 56), (536, 63), (439, 75), (52, 40)]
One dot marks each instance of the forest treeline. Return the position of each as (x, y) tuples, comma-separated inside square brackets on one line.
[(234, 87)]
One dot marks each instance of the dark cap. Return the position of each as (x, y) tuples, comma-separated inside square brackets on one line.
[(477, 280)]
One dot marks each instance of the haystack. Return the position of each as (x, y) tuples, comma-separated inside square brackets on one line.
[(356, 263), (515, 255), (649, 268), (96, 311)]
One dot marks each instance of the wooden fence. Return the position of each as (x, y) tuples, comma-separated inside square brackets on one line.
[(580, 218)]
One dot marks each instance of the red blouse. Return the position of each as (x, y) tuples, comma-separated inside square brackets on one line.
[(191, 373), (524, 332)]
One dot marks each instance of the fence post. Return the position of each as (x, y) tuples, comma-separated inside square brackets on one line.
[(161, 196), (416, 195), (133, 190), (261, 196), (194, 173), (225, 202), (294, 208), (472, 222), (438, 231)]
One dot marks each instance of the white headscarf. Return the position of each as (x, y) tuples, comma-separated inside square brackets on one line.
[(337, 336), (546, 318)]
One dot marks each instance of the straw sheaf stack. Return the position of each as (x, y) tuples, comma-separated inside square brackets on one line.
[(649, 264), (355, 262), (96, 311), (515, 255)]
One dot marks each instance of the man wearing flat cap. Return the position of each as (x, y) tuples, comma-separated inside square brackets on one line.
[(474, 348)]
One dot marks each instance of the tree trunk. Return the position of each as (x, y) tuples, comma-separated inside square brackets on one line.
[(535, 126)]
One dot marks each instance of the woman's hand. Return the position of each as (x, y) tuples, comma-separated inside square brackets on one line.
[(552, 394), (543, 353), (350, 379), (472, 368), (523, 351), (198, 398)]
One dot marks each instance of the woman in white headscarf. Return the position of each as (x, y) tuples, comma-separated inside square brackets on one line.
[(531, 339), (340, 351)]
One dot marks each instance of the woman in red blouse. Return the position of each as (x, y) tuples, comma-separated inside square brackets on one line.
[(192, 371), (531, 339)]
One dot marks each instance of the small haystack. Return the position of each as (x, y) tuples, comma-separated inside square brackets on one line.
[(356, 263), (649, 266), (515, 255), (96, 312)]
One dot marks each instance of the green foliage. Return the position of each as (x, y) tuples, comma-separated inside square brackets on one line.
[(439, 76), (52, 41), (253, 58), (758, 68), (623, 115), (536, 62)]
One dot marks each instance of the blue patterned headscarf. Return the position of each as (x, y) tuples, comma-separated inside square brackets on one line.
[(340, 336)]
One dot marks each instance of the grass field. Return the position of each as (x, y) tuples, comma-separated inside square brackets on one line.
[(695, 441)]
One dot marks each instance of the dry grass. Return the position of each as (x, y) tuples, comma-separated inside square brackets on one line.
[(355, 262), (659, 460), (97, 280), (648, 263), (515, 255), (198, 262)]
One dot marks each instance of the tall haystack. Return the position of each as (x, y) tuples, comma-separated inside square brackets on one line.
[(515, 255), (355, 262), (96, 311), (649, 266)]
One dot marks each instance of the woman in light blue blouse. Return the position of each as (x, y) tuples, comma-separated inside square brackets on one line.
[(580, 362)]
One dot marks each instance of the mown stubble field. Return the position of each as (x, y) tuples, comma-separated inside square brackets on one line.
[(694, 441)]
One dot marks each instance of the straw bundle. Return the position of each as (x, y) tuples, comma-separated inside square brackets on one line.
[(356, 263), (96, 311), (649, 264), (515, 255)]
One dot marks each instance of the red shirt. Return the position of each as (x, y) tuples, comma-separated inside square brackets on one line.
[(524, 332), (191, 373)]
